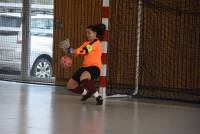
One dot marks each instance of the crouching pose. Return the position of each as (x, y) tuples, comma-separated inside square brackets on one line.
[(82, 82)]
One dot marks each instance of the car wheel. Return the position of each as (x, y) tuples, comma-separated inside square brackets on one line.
[(42, 68)]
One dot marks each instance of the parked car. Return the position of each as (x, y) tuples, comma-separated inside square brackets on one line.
[(41, 43)]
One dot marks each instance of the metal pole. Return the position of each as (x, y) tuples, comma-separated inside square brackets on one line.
[(138, 47), (26, 37)]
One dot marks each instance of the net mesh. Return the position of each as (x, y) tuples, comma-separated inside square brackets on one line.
[(169, 48), (122, 50), (17, 61)]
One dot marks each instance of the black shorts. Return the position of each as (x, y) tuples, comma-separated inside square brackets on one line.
[(93, 70)]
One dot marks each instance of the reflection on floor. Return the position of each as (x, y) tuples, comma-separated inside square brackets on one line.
[(40, 109)]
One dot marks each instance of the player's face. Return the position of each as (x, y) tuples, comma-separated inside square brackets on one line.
[(90, 34)]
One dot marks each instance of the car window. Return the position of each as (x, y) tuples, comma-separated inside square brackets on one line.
[(10, 21), (42, 27), (41, 24)]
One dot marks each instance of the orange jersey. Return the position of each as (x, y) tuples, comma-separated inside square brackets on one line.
[(92, 57)]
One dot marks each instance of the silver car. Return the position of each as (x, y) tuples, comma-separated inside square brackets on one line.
[(41, 43)]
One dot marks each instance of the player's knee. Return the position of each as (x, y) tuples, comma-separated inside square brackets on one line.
[(85, 75), (71, 84)]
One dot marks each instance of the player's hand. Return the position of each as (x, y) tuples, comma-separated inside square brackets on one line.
[(65, 45)]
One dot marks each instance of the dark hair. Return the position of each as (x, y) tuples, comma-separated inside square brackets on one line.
[(99, 29)]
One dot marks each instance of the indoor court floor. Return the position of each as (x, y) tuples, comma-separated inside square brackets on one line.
[(44, 109)]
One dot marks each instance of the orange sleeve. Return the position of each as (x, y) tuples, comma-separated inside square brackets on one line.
[(80, 51)]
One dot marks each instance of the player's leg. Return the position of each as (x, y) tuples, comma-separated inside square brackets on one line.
[(87, 79), (74, 84)]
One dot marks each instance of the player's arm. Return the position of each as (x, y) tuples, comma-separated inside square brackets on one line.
[(82, 50)]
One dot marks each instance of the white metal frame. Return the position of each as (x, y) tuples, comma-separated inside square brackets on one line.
[(138, 47)]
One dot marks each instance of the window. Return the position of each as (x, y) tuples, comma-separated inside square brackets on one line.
[(41, 23), (9, 21)]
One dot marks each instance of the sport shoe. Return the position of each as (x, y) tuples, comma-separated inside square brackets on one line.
[(99, 100), (87, 96)]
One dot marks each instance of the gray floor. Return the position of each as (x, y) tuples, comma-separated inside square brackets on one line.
[(38, 109)]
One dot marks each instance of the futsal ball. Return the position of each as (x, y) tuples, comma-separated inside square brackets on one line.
[(66, 62)]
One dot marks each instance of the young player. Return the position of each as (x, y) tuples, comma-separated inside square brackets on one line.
[(82, 82)]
